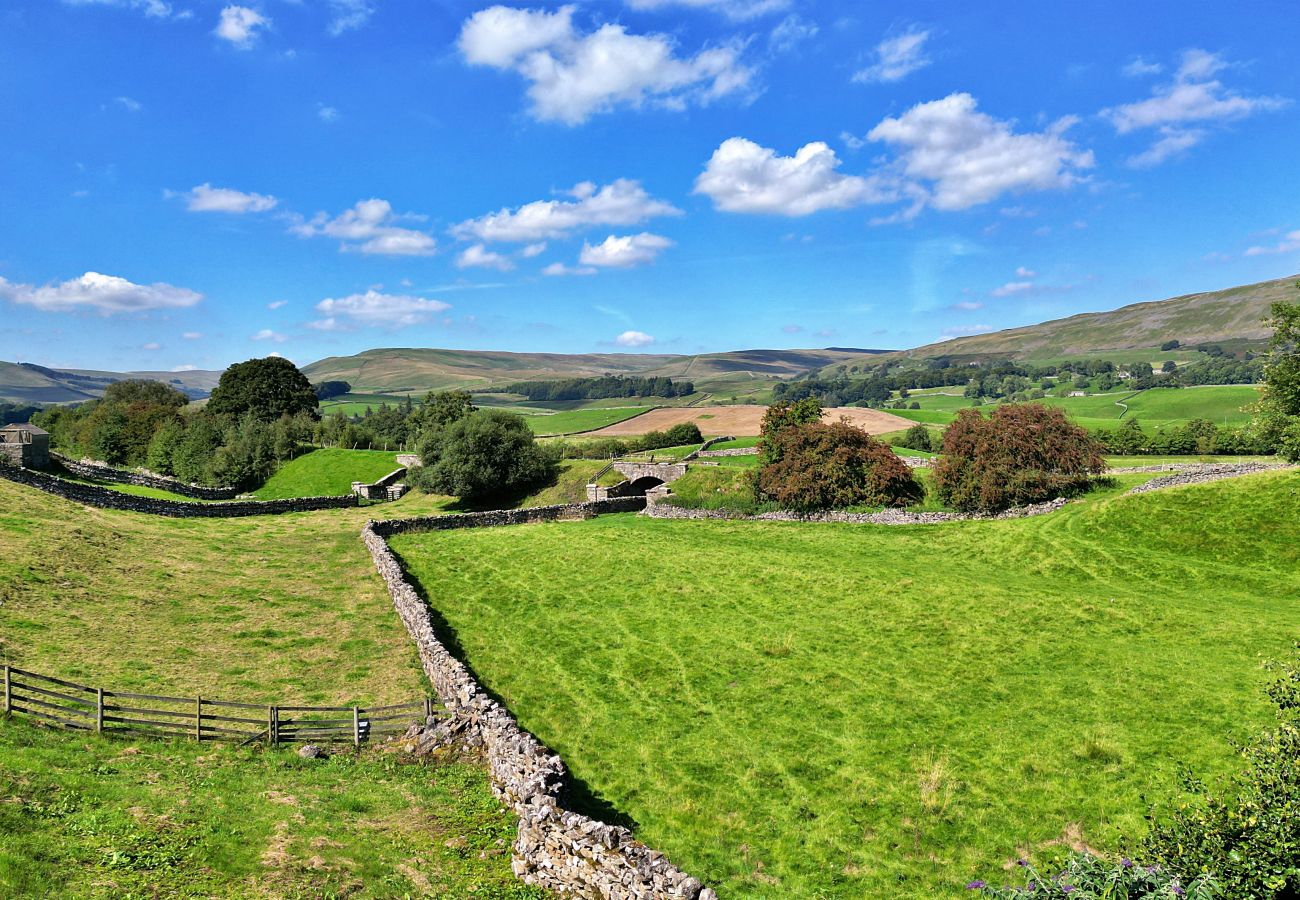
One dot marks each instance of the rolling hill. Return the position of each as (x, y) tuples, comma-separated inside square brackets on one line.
[(1231, 317), (30, 383)]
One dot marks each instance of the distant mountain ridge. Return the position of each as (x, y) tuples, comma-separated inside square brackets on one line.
[(30, 383)]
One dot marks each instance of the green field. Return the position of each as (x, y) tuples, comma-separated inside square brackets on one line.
[(579, 420), (327, 472), (826, 711), (84, 816), (356, 404)]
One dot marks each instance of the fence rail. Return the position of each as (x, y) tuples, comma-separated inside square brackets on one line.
[(100, 710)]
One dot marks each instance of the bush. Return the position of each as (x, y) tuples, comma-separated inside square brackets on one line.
[(782, 415), (834, 466), (1088, 876), (488, 454), (917, 437), (1022, 453), (1248, 832), (684, 433)]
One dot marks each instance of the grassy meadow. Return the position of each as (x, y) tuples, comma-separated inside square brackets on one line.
[(326, 472), (820, 711), (579, 420), (110, 817)]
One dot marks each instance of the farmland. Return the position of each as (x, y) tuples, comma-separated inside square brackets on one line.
[(822, 711), (326, 472), (740, 420)]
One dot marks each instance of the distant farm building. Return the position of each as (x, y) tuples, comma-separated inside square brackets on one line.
[(25, 445)]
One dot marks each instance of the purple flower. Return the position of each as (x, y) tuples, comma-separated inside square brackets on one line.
[(1126, 863), (1067, 889), (975, 885), (1178, 892), (1022, 862)]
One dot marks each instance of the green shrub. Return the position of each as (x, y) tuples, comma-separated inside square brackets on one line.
[(1022, 453), (834, 466), (488, 454), (918, 437), (1087, 877)]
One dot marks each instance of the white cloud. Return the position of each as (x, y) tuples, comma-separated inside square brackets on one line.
[(896, 58), (1012, 288), (1137, 67), (373, 309), (533, 250), (347, 15), (478, 255), (1194, 95), (852, 141), (188, 367), (573, 75), (152, 345), (634, 339), (326, 113), (130, 104), (106, 293), (557, 269), (967, 305), (276, 304), (1025, 272), (1289, 244), (790, 32), (153, 8), (966, 330), (624, 252), (960, 157), (370, 227), (267, 334), (192, 335), (623, 202), (744, 177), (241, 25), (206, 198), (735, 9)]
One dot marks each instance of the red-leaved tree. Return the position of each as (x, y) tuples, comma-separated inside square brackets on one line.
[(831, 466)]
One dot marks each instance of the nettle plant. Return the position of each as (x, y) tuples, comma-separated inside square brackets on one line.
[(1088, 877)]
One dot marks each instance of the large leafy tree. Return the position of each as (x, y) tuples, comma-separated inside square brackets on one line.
[(779, 416), (264, 388), (832, 466), (488, 454), (1277, 415)]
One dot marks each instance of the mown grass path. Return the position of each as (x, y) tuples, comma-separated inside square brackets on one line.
[(842, 711)]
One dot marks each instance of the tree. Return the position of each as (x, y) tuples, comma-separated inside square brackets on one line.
[(329, 389), (267, 388), (1277, 415), (1022, 453), (441, 408), (488, 454), (142, 391), (831, 466), (784, 415), (915, 438)]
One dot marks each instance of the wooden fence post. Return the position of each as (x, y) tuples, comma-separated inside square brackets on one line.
[(9, 695), (428, 709), (356, 727), (272, 727), (99, 709), (198, 719)]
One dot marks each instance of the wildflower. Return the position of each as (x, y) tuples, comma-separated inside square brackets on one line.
[(975, 885), (1022, 862), (1126, 863)]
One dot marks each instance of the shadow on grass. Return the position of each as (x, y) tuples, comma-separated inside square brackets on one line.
[(576, 794)]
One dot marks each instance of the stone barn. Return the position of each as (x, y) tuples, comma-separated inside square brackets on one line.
[(25, 445)]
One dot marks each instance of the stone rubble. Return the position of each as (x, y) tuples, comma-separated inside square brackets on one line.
[(1208, 472)]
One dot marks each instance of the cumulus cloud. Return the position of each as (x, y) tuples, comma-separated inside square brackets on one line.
[(624, 252), (326, 113), (188, 367), (346, 15), (556, 270), (479, 256), (623, 202), (634, 339), (960, 157), (241, 26), (573, 75), (373, 309), (1289, 244), (106, 294), (744, 177), (267, 334), (1012, 288), (1025, 272), (370, 226), (152, 345), (1195, 96), (192, 335), (276, 304), (206, 198), (896, 58), (790, 32), (1138, 67), (735, 9), (533, 250)]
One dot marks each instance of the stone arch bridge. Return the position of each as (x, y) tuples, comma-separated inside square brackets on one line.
[(641, 477)]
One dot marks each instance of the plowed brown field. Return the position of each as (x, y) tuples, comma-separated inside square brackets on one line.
[(742, 421)]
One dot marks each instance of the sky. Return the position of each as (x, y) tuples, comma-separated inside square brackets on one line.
[(186, 184)]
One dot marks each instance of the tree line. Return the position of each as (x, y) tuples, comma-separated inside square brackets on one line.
[(601, 387)]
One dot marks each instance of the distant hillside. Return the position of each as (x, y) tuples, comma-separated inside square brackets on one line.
[(400, 370), (29, 383), (1232, 317)]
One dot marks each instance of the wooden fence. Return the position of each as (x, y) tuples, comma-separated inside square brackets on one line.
[(95, 709)]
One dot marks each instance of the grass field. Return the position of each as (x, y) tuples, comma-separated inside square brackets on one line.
[(356, 404), (279, 608), (84, 816), (835, 711), (579, 420), (326, 472)]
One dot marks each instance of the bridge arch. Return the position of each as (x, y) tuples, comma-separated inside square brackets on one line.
[(639, 486)]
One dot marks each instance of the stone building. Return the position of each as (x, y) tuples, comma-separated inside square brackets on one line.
[(25, 445)]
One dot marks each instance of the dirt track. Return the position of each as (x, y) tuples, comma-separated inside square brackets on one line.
[(741, 421)]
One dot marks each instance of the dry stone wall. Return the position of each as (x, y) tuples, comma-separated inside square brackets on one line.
[(107, 498), (558, 849), (100, 472)]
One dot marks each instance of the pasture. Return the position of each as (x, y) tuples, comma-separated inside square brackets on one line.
[(792, 710), (326, 472), (741, 421), (357, 404), (577, 420)]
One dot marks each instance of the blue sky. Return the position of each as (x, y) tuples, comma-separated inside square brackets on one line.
[(187, 183)]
